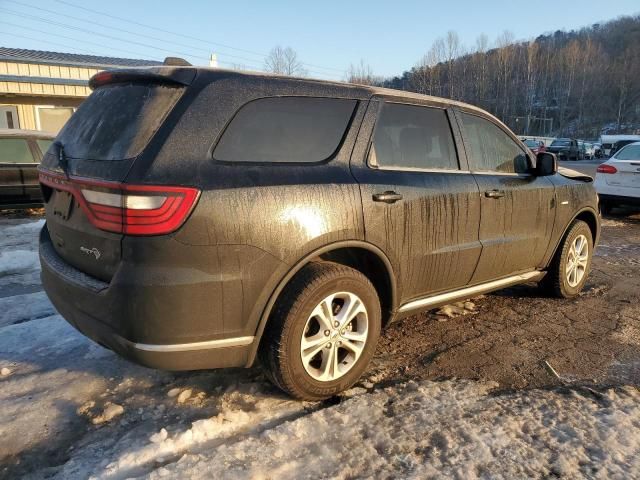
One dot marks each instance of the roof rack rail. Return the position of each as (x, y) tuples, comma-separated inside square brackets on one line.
[(176, 62)]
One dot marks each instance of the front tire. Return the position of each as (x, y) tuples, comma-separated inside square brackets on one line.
[(571, 264), (323, 331)]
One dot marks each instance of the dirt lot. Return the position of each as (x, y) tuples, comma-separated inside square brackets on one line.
[(60, 386), (508, 335)]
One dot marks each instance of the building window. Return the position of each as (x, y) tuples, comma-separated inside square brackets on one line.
[(9, 116), (52, 119)]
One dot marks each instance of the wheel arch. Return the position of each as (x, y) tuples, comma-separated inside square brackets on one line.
[(587, 215), (363, 256)]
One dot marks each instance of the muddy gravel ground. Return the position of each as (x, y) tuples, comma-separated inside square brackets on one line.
[(60, 384), (508, 336)]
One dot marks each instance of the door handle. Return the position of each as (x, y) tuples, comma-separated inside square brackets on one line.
[(387, 197), (494, 193)]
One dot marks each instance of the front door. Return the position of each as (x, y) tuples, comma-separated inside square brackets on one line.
[(420, 207), (517, 207)]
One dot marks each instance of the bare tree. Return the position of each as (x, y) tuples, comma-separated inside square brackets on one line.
[(284, 61), (505, 59), (452, 52), (361, 73)]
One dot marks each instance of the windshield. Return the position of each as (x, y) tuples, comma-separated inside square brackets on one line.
[(561, 143), (117, 121), (531, 143), (630, 152)]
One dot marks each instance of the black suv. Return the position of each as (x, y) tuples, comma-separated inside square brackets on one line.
[(566, 149), (200, 218)]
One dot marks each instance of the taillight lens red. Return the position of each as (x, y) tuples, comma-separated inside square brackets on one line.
[(129, 209), (604, 168)]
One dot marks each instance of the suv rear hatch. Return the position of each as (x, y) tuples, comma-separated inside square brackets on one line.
[(88, 207), (627, 164)]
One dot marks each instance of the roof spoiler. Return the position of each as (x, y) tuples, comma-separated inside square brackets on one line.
[(168, 75), (176, 62)]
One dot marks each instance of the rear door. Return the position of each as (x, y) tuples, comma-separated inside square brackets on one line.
[(517, 207), (420, 206), (14, 154)]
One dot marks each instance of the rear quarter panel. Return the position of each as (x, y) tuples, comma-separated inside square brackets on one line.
[(253, 222)]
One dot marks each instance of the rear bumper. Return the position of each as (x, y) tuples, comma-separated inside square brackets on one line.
[(616, 193), (619, 199), (88, 304)]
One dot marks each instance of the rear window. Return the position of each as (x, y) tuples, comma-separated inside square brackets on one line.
[(15, 150), (630, 152), (117, 121), (286, 130)]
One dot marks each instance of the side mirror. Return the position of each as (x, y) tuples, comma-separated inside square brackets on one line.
[(546, 164)]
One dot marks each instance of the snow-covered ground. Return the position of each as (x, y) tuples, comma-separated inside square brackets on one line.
[(71, 409)]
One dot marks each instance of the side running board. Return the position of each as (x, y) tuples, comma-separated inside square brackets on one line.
[(444, 298)]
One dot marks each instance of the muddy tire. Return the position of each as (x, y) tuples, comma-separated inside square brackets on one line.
[(322, 333), (571, 264)]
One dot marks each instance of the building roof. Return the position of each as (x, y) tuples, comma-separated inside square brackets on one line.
[(22, 55)]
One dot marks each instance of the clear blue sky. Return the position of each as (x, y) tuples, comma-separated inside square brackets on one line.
[(391, 36)]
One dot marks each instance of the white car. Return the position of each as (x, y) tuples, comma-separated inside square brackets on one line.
[(618, 179)]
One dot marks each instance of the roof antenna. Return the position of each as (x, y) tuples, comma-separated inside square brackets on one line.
[(176, 62)]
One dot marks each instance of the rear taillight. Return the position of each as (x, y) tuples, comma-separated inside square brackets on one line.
[(604, 168), (129, 209)]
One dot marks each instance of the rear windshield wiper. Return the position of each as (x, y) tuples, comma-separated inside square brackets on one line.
[(63, 161)]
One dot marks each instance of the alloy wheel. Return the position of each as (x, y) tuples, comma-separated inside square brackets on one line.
[(577, 260), (334, 336)]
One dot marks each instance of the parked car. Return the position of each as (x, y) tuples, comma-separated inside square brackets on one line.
[(536, 146), (618, 179), (565, 149), (582, 150), (20, 154), (619, 144), (236, 216), (589, 151)]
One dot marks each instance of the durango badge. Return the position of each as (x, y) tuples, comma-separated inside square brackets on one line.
[(91, 251)]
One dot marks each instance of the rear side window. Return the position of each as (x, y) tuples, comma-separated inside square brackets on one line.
[(15, 150), (286, 129), (491, 149), (117, 121), (411, 136), (630, 152)]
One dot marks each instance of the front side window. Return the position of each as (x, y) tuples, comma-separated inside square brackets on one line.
[(412, 136), (15, 150), (286, 130), (491, 149)]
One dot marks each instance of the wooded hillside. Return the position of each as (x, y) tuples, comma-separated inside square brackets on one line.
[(578, 83)]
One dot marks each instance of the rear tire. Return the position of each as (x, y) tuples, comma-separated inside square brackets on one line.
[(303, 350), (605, 207), (571, 264)]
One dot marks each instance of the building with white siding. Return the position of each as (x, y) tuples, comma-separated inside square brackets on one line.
[(40, 90)]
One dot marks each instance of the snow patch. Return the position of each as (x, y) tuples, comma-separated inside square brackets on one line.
[(18, 261), (453, 429)]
